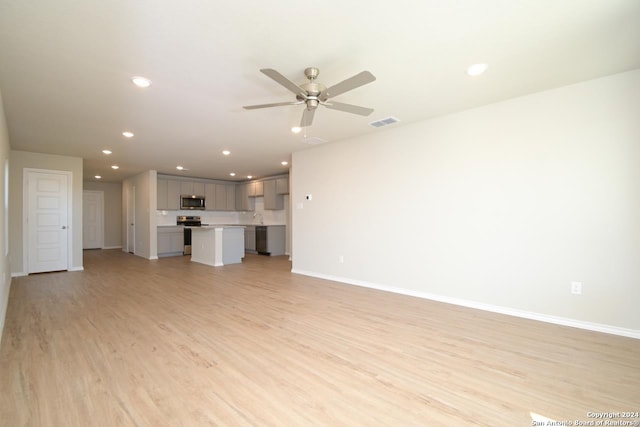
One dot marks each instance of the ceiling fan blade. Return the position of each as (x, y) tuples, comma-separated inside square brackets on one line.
[(276, 104), (349, 108), (307, 117), (279, 78), (358, 80)]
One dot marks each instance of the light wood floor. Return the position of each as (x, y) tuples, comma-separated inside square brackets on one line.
[(171, 343)]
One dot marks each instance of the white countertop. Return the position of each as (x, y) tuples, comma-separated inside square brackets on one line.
[(221, 225), (210, 227)]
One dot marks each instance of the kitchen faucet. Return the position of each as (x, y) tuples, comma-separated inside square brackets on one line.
[(261, 218)]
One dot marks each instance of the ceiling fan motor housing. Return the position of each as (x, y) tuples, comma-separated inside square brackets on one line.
[(311, 73)]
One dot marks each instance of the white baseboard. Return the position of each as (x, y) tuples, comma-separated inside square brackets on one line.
[(564, 321), (112, 247), (22, 273)]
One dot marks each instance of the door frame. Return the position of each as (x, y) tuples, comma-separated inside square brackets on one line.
[(26, 172), (131, 220), (100, 195)]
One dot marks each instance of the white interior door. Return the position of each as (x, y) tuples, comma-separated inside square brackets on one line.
[(92, 219), (131, 215), (47, 222)]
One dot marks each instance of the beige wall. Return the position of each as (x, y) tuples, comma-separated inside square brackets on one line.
[(5, 273), (20, 160), (501, 206), (112, 211)]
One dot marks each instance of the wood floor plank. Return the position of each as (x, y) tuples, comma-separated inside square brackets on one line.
[(134, 342)]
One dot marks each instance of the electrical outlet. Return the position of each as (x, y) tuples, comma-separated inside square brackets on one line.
[(576, 288)]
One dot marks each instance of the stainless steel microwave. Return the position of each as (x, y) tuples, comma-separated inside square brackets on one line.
[(191, 202)]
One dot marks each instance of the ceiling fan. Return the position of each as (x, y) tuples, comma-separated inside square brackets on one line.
[(313, 94)]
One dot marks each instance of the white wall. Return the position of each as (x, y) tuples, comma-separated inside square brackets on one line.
[(146, 197), (502, 206), (5, 275), (21, 160)]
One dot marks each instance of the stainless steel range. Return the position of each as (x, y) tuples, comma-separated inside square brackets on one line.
[(188, 221)]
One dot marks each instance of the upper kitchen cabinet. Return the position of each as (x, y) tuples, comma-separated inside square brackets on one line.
[(186, 187), (282, 186), (162, 195), (210, 197), (173, 195), (255, 189), (168, 195), (231, 197), (272, 200), (243, 202), (198, 188), (225, 197), (221, 197), (192, 188)]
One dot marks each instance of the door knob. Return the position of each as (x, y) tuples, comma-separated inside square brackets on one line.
[(64, 227)]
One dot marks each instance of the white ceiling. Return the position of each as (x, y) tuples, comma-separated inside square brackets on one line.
[(65, 67)]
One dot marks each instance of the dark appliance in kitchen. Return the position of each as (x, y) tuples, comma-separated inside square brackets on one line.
[(192, 202), (188, 222), (261, 240)]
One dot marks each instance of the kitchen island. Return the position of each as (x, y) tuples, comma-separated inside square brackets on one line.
[(217, 245)]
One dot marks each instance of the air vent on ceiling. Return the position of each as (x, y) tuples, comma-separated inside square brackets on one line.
[(384, 122), (314, 140)]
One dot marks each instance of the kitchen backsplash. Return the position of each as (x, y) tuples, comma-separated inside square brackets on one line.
[(259, 216)]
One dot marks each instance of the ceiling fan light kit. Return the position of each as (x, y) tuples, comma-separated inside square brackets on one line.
[(313, 94)]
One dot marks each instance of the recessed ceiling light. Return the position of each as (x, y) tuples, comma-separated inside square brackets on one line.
[(284, 163), (226, 152), (180, 168), (249, 176), (127, 134), (97, 177), (232, 174), (141, 81), (106, 151), (296, 129), (477, 69), (115, 167)]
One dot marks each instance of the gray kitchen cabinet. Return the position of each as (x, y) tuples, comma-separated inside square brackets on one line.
[(198, 188), (282, 186), (255, 189), (241, 193), (170, 241), (250, 239), (221, 197), (162, 203), (173, 195), (210, 197), (186, 187), (272, 200), (258, 189), (192, 188), (243, 202), (231, 197)]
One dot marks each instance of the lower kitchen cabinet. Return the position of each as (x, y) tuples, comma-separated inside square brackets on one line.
[(170, 241)]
